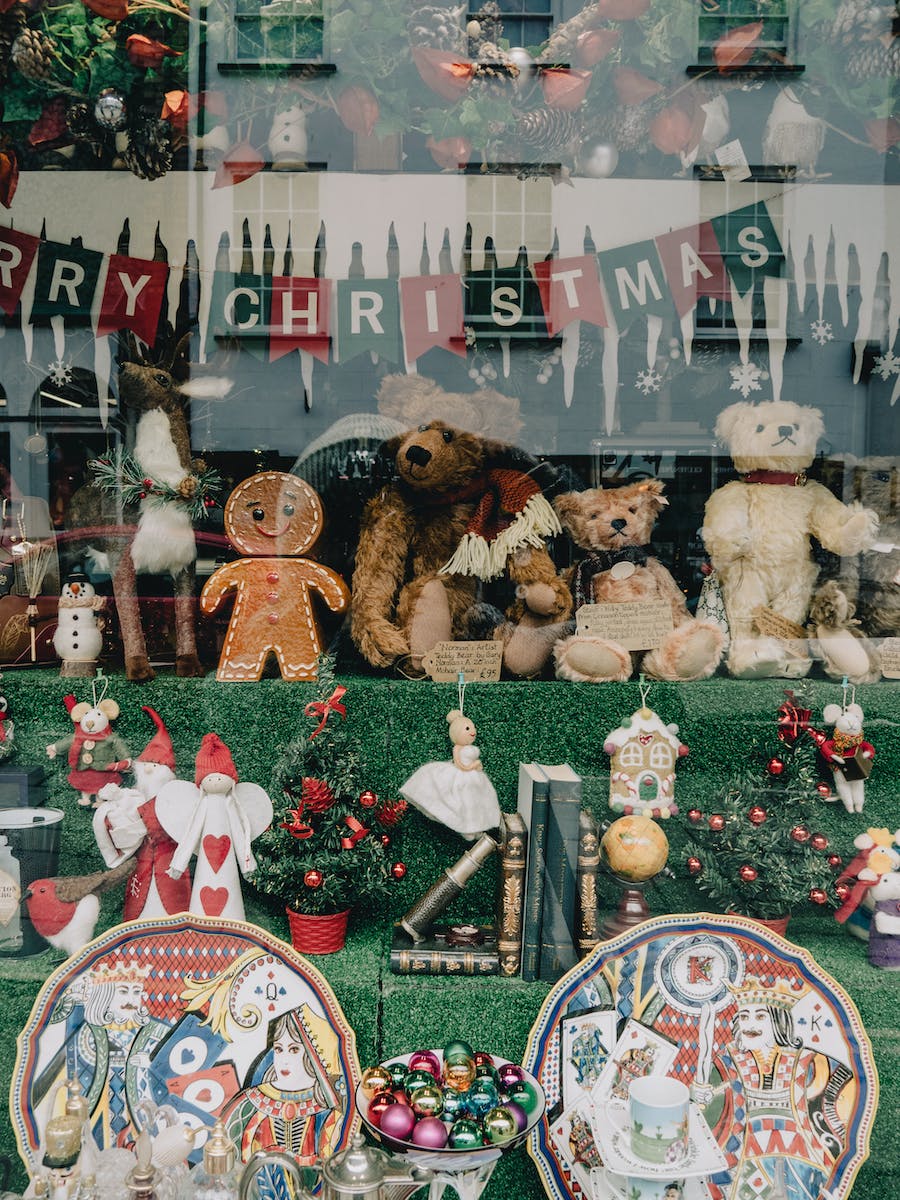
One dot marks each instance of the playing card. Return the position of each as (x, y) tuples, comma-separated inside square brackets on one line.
[(586, 1040), (639, 1051)]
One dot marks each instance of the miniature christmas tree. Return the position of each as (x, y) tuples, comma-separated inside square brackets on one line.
[(757, 850), (330, 843)]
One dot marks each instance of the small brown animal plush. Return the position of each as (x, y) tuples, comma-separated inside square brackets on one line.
[(613, 526), (873, 579), (461, 509)]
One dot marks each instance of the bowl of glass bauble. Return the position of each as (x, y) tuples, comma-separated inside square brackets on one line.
[(453, 1109)]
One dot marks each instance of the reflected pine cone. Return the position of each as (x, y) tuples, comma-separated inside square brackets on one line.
[(875, 60), (858, 20), (149, 152), (627, 127), (547, 130), (81, 122), (11, 25), (32, 54), (437, 27), (485, 26)]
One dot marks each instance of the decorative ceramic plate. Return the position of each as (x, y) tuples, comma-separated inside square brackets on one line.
[(780, 1063), (217, 1018)]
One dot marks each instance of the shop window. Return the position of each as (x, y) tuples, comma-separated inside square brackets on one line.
[(773, 50), (282, 35), (525, 22)]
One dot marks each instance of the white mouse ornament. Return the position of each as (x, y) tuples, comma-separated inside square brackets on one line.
[(96, 754), (847, 753)]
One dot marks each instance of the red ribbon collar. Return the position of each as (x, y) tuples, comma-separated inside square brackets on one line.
[(784, 478)]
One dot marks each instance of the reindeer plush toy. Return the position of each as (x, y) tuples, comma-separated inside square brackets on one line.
[(157, 536)]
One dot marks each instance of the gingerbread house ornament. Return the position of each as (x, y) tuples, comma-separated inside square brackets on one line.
[(644, 752)]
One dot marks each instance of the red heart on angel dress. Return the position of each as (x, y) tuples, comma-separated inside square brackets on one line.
[(213, 900), (216, 849)]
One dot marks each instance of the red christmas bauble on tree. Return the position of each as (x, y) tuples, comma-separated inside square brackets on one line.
[(824, 790), (748, 873), (775, 766), (818, 896), (367, 799), (694, 866), (834, 861), (398, 870), (800, 834), (695, 816), (385, 840), (819, 841), (313, 879), (842, 890), (717, 822), (317, 796), (757, 815)]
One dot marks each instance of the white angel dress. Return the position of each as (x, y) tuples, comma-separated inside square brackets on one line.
[(463, 800), (220, 830)]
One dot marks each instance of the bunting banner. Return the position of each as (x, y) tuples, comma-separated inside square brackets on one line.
[(570, 291), (132, 297), (402, 319), (17, 251), (432, 315)]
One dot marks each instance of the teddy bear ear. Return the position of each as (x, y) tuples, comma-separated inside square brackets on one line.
[(654, 488), (831, 712), (729, 419), (813, 422), (79, 710)]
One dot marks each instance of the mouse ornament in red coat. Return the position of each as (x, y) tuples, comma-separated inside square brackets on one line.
[(224, 818), (96, 754), (847, 753)]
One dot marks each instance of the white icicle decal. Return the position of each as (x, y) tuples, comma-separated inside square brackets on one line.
[(306, 374), (654, 329), (571, 340), (775, 295), (610, 375), (102, 364), (742, 308), (687, 334)]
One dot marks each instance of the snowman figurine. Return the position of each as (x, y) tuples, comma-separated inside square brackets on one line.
[(287, 140), (79, 639)]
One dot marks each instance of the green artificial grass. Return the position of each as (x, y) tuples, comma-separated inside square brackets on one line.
[(401, 724)]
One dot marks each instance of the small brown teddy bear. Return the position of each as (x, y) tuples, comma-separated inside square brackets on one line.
[(461, 509), (614, 526), (873, 580)]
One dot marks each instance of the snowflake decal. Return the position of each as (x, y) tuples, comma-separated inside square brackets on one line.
[(887, 364), (745, 378), (648, 381), (60, 372), (821, 332)]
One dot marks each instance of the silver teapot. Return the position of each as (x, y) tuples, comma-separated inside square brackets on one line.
[(359, 1172)]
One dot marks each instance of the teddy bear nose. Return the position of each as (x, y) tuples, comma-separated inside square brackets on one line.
[(418, 455), (618, 524), (785, 431)]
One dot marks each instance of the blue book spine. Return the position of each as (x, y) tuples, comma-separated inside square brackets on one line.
[(558, 937), (534, 793)]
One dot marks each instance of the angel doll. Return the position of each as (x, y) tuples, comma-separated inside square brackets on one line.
[(225, 818), (458, 794)]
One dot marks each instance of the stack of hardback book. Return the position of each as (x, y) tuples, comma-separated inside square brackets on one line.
[(559, 902)]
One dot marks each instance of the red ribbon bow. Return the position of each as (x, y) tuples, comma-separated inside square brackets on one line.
[(359, 831), (792, 719), (324, 709), (295, 827)]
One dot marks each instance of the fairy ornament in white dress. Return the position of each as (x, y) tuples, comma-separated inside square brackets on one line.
[(457, 793)]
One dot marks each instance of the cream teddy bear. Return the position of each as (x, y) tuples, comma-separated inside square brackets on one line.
[(757, 530)]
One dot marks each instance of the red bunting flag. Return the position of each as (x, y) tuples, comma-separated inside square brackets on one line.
[(133, 296), (300, 317), (17, 251), (570, 291), (432, 314), (693, 264)]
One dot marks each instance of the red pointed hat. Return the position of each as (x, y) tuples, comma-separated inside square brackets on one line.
[(214, 755), (159, 749)]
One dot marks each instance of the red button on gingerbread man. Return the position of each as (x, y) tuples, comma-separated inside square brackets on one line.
[(271, 515)]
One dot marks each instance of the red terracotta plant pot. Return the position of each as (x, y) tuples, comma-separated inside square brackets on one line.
[(776, 924), (320, 933)]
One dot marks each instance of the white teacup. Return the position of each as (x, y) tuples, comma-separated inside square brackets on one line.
[(658, 1112), (653, 1189)]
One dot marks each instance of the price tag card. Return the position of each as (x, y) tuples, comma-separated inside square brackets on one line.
[(890, 658), (479, 662), (636, 625), (733, 161), (772, 624)]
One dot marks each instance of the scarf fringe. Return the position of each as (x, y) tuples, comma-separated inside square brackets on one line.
[(475, 555)]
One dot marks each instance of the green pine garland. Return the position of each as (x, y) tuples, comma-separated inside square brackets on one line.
[(789, 873), (120, 474), (316, 874)]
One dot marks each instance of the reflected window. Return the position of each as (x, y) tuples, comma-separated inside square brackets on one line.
[(772, 48), (281, 31), (525, 22)]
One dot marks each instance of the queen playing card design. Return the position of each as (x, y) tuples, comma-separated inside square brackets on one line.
[(639, 1051)]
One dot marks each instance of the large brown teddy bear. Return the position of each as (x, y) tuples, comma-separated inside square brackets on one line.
[(757, 530), (614, 527), (461, 509)]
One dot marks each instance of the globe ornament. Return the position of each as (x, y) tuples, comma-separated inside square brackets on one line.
[(635, 849), (111, 111)]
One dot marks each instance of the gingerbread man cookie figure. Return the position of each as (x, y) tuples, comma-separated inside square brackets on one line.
[(273, 518)]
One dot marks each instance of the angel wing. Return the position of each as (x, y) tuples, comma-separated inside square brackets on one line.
[(256, 806)]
